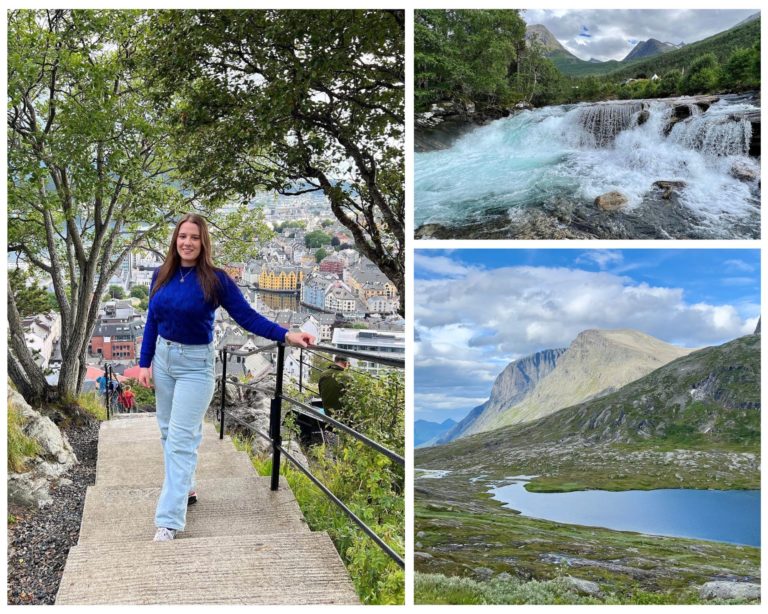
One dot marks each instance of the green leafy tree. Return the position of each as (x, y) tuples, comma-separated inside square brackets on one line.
[(294, 101), (116, 292), (30, 298), (320, 254), (465, 55), (670, 83), (139, 292), (91, 172), (742, 70), (703, 75), (316, 238)]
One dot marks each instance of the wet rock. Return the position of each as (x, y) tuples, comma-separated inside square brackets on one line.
[(583, 587), (643, 117), (523, 106), (744, 172), (669, 188), (611, 201), (729, 590)]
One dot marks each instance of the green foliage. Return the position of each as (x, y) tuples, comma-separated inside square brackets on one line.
[(292, 101), (326, 223), (140, 292), (30, 299), (116, 292), (316, 238), (742, 70), (320, 254), (366, 481), (145, 397), (703, 75), (20, 447), (465, 55), (93, 403)]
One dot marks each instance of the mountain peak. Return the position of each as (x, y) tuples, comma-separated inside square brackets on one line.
[(649, 48)]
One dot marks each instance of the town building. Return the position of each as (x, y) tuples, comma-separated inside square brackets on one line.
[(390, 344), (41, 334)]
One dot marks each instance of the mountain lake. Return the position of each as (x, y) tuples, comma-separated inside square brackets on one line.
[(731, 516)]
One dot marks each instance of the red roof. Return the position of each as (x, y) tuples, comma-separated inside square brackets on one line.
[(93, 372)]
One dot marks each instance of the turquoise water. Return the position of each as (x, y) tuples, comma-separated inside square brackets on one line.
[(720, 515), (537, 159)]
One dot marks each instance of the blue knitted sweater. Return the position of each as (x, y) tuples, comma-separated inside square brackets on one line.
[(179, 312)]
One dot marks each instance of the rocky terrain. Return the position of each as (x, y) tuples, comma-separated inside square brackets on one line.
[(512, 385), (596, 363)]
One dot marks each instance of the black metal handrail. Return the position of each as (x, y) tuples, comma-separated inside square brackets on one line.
[(275, 423)]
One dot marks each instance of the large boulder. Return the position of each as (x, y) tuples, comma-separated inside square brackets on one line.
[(745, 172), (730, 590), (583, 587), (611, 201), (55, 458)]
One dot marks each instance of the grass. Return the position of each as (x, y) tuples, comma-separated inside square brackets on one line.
[(20, 446), (92, 403), (377, 579)]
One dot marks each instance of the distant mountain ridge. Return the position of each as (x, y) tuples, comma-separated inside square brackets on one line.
[(721, 44), (425, 431), (511, 386), (649, 48), (706, 399), (596, 363)]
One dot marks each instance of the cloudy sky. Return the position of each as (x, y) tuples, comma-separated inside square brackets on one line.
[(611, 35), (477, 310)]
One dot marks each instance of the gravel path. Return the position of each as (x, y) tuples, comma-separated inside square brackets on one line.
[(39, 542)]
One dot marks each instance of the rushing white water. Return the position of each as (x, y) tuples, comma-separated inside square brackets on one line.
[(576, 153)]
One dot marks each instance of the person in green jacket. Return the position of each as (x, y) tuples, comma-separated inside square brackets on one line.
[(332, 385)]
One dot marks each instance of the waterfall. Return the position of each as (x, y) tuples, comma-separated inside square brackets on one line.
[(714, 136), (552, 159), (602, 122)]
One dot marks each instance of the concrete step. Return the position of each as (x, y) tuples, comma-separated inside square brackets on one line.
[(298, 569), (118, 451), (243, 506), (148, 471)]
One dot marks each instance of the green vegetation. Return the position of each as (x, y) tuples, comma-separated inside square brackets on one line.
[(463, 534), (320, 254), (20, 447), (144, 396), (31, 299), (316, 238), (140, 292), (481, 57), (365, 480), (93, 404)]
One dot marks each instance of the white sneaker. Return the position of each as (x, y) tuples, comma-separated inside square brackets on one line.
[(164, 535)]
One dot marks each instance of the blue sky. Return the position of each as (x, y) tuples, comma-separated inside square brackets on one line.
[(607, 34), (477, 310)]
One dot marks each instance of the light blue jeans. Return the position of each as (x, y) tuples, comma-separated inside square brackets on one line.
[(184, 382)]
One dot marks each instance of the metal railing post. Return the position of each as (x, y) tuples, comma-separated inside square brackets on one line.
[(275, 417), (223, 391), (301, 369), (108, 377)]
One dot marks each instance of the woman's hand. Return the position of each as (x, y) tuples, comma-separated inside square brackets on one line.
[(300, 339), (145, 377)]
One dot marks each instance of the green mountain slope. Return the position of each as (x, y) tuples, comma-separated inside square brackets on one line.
[(722, 45), (709, 399)]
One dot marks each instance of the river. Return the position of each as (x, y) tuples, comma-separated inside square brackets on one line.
[(549, 165)]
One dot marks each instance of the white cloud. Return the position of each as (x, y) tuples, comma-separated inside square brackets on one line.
[(471, 326)]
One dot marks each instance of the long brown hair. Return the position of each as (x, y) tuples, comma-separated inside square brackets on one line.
[(206, 271)]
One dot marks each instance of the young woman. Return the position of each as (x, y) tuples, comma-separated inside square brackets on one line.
[(185, 292)]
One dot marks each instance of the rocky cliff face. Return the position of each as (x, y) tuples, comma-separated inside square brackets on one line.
[(512, 385), (597, 363)]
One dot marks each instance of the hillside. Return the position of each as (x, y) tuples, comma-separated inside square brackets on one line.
[(709, 399), (512, 385), (722, 45), (596, 363), (665, 58)]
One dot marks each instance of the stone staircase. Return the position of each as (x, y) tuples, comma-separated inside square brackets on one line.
[(243, 543)]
